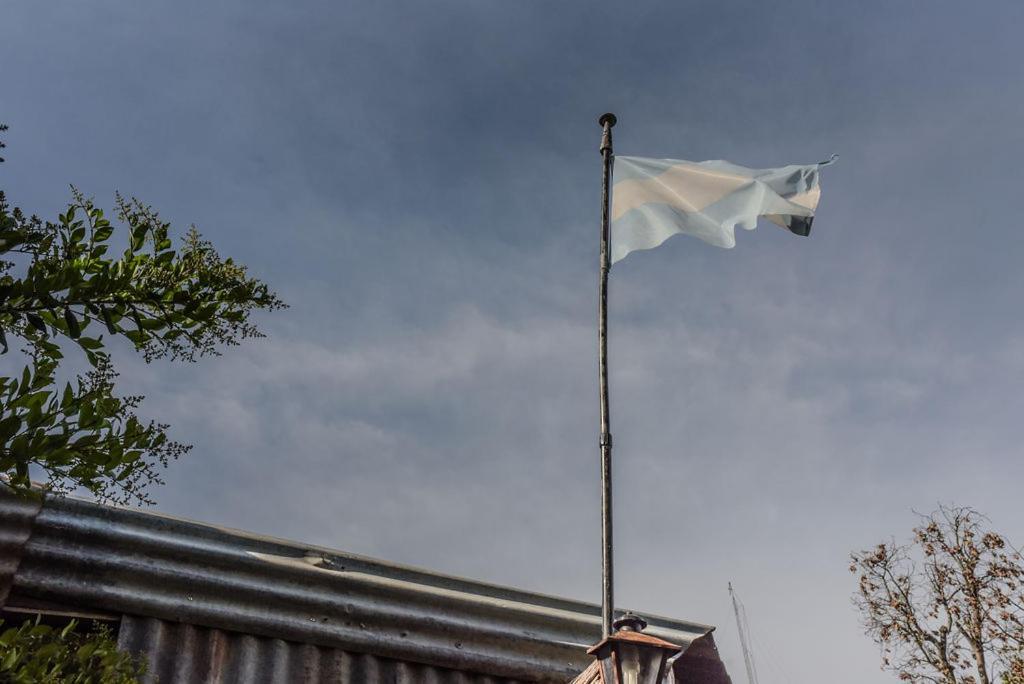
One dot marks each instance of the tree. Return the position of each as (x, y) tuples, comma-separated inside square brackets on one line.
[(61, 290), (948, 607), (39, 653)]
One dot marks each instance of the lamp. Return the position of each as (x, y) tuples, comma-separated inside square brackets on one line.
[(630, 657)]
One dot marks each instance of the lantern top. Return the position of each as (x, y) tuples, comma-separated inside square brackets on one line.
[(629, 628), (634, 638)]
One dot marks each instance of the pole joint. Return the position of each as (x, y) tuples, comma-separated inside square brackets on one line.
[(606, 439)]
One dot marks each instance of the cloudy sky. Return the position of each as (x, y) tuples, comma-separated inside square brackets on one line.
[(420, 181)]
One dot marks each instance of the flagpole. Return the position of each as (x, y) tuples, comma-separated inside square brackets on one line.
[(607, 598)]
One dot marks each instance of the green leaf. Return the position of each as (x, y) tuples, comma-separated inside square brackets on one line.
[(36, 322), (47, 651), (73, 328), (40, 630), (85, 652), (102, 233), (138, 237), (32, 399), (85, 416), (108, 320), (68, 629), (9, 427), (9, 239), (90, 343)]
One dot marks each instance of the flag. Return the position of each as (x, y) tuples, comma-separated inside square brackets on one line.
[(654, 199)]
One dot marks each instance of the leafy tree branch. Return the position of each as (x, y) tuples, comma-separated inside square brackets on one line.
[(35, 652), (947, 607), (79, 282)]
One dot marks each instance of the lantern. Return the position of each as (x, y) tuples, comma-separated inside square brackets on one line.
[(630, 657)]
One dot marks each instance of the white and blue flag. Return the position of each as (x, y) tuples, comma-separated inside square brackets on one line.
[(654, 199)]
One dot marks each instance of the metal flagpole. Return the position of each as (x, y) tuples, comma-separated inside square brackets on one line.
[(607, 601)]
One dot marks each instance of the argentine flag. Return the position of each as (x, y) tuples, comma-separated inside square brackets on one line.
[(654, 199)]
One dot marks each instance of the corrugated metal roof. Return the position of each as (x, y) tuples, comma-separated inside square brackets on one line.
[(17, 513), (183, 654), (254, 595)]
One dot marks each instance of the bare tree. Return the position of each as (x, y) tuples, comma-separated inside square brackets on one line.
[(947, 608)]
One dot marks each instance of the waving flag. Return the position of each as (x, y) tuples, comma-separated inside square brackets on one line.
[(650, 201), (654, 199)]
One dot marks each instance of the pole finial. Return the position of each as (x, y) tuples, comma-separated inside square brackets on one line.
[(630, 622), (607, 121)]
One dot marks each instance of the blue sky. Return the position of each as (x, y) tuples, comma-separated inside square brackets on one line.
[(420, 181)]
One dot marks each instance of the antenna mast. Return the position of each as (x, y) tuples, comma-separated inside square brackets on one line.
[(744, 629)]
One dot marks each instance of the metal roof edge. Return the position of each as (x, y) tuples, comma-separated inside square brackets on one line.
[(86, 555)]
